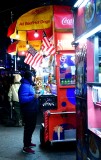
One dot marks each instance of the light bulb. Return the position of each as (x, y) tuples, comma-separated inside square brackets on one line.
[(36, 34), (27, 45), (17, 36)]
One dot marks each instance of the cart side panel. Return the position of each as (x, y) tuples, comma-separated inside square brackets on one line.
[(59, 124)]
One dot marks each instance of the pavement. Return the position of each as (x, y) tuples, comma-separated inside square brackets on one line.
[(11, 144)]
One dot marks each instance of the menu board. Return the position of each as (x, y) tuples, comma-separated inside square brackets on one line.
[(87, 17)]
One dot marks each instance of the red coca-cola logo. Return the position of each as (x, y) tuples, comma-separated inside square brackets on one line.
[(67, 21)]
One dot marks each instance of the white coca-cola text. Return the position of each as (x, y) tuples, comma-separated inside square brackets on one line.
[(66, 21)]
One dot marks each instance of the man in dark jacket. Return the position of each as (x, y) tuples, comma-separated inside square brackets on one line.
[(28, 102)]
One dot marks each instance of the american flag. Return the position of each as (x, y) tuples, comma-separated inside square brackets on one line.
[(47, 46), (50, 51), (33, 61), (32, 50), (28, 58), (45, 43), (37, 59)]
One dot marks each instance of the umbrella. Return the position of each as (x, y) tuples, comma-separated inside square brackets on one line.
[(21, 48), (12, 49), (38, 18), (41, 19), (27, 35)]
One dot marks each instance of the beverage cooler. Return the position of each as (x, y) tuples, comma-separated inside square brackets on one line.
[(65, 75)]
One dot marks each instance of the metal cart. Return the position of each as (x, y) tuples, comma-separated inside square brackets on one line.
[(57, 126)]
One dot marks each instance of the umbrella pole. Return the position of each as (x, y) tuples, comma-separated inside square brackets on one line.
[(30, 68), (12, 42), (15, 64)]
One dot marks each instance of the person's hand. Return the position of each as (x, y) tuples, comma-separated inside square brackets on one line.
[(36, 95)]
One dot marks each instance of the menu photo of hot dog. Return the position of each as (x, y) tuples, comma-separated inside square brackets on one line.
[(98, 6), (89, 11)]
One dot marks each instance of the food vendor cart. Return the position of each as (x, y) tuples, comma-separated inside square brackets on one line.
[(59, 115), (59, 111)]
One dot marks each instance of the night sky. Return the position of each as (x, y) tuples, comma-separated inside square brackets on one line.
[(19, 7)]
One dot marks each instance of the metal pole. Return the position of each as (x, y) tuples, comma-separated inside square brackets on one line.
[(30, 68), (15, 64)]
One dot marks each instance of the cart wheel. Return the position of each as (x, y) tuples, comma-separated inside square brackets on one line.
[(42, 141)]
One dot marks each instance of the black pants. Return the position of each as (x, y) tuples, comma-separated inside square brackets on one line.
[(29, 119), (18, 117)]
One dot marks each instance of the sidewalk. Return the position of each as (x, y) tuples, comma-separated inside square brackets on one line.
[(11, 139)]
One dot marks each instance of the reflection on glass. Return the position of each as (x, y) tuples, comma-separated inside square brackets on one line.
[(67, 69)]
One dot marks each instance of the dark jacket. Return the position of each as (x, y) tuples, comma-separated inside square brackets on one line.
[(26, 95)]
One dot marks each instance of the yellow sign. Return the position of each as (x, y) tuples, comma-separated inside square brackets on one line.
[(21, 46), (35, 44), (38, 18)]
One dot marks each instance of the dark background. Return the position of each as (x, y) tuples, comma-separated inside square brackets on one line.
[(11, 10)]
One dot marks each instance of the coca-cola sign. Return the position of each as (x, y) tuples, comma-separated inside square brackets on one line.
[(63, 22), (63, 17), (66, 21)]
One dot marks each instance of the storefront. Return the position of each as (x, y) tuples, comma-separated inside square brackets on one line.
[(87, 25)]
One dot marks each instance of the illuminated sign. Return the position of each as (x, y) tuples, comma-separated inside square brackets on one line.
[(63, 41)]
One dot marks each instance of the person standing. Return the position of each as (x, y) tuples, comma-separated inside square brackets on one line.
[(14, 100), (28, 104)]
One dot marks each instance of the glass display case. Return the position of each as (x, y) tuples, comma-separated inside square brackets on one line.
[(97, 58), (67, 69), (94, 97)]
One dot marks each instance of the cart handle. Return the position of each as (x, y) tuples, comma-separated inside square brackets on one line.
[(62, 112)]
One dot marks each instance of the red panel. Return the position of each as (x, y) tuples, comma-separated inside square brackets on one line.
[(63, 17), (63, 41), (30, 34), (62, 122)]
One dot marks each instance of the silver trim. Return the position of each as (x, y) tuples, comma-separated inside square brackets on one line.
[(62, 112)]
